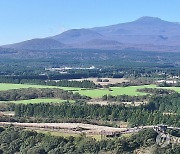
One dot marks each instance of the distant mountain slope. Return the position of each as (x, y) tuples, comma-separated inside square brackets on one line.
[(37, 44), (141, 26), (145, 30), (99, 42), (7, 51), (146, 33), (76, 36)]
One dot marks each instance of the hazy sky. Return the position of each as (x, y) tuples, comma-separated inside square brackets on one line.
[(26, 19)]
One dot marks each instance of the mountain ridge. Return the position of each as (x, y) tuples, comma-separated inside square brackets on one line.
[(37, 44), (145, 31)]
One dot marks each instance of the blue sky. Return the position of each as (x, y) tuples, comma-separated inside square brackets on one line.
[(26, 19)]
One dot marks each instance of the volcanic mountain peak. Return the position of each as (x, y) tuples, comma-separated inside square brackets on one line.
[(143, 31)]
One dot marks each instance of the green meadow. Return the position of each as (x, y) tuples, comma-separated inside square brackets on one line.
[(39, 100), (8, 86), (94, 93), (66, 135), (131, 91)]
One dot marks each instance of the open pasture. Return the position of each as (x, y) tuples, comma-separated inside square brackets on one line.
[(131, 91), (94, 93), (8, 86), (68, 134), (39, 100)]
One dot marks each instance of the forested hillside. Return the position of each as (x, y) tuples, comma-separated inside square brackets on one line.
[(135, 116), (13, 140), (32, 93)]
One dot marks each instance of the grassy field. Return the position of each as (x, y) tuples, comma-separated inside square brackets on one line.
[(56, 133), (63, 134), (132, 91), (177, 89), (94, 93), (8, 86), (39, 100)]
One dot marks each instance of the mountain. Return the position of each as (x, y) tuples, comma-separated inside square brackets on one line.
[(145, 30), (100, 43), (145, 33), (141, 26), (76, 36), (37, 44)]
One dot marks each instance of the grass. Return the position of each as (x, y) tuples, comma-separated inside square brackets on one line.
[(177, 89), (127, 135), (94, 93), (131, 91), (39, 100), (63, 134), (56, 133), (8, 86)]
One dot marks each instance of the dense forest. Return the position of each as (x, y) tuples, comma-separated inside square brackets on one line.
[(168, 103), (117, 64), (135, 116), (156, 91), (13, 140), (33, 93), (7, 107), (61, 83), (125, 98), (143, 67), (160, 109)]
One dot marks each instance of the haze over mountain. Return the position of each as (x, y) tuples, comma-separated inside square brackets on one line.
[(146, 33), (37, 44), (146, 30), (77, 36)]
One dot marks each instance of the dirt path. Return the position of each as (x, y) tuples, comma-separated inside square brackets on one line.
[(79, 127), (87, 128)]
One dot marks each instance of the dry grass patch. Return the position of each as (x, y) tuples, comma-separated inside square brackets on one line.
[(111, 80)]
